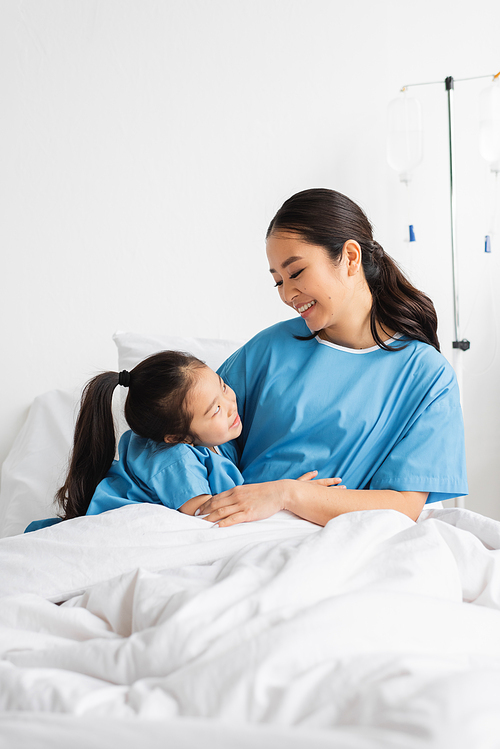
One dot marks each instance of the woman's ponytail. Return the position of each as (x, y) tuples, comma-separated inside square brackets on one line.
[(329, 219), (93, 447), (397, 305)]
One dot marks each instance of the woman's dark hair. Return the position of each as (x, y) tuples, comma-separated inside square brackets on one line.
[(155, 408), (329, 219)]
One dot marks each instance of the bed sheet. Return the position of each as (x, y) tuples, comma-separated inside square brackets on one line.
[(373, 631), (39, 731)]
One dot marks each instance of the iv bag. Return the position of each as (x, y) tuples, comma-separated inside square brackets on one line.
[(489, 122), (404, 135)]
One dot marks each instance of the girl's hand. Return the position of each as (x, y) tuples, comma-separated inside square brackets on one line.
[(252, 501)]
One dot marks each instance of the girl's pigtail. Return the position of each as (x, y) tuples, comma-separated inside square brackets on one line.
[(93, 447)]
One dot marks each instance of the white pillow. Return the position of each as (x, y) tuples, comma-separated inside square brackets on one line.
[(37, 462), (134, 347)]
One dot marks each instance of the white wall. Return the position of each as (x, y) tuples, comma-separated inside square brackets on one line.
[(146, 144)]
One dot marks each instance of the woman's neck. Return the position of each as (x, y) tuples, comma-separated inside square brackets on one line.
[(354, 331), (348, 315)]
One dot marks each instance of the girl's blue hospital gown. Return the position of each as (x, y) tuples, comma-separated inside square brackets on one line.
[(378, 419), (148, 472)]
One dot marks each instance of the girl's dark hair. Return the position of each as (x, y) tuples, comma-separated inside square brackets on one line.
[(155, 408), (329, 219)]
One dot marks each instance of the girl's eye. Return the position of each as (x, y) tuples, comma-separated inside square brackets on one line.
[(216, 411), (224, 387), (278, 283)]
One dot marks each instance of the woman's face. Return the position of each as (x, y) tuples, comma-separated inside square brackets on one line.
[(215, 413), (323, 294)]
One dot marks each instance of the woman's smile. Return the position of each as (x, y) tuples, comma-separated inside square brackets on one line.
[(303, 309)]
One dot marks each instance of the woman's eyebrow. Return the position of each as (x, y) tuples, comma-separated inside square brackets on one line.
[(287, 262)]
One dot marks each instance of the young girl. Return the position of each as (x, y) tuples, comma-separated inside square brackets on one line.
[(179, 411)]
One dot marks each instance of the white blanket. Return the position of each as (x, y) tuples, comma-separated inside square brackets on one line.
[(372, 624)]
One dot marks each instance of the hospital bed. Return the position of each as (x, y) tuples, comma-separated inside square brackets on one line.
[(143, 626)]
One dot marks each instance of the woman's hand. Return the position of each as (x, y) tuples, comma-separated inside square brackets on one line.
[(309, 476), (254, 501)]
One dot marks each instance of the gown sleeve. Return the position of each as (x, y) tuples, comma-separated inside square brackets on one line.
[(430, 455), (180, 481)]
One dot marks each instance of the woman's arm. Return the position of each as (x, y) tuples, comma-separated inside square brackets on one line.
[(308, 500), (195, 503), (322, 508)]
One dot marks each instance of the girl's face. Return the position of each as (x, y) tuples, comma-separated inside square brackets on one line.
[(214, 409), (323, 294)]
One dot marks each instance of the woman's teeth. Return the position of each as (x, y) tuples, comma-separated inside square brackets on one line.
[(305, 306)]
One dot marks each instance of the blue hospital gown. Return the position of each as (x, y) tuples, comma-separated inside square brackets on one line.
[(378, 419), (148, 472)]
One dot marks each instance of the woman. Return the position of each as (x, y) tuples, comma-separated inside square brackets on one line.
[(355, 386)]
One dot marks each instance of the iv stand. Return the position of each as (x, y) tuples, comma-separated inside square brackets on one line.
[(459, 346), (464, 344)]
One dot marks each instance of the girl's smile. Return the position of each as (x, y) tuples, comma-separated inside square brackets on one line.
[(236, 422)]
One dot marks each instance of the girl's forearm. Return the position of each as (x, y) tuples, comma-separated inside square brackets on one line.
[(193, 504), (319, 504)]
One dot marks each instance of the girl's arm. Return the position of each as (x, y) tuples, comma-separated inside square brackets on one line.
[(310, 501), (190, 507)]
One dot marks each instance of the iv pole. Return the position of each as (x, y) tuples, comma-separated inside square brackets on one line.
[(459, 346), (463, 345)]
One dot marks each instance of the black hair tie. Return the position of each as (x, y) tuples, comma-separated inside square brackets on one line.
[(124, 378)]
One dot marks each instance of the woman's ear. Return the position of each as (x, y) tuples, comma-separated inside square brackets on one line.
[(352, 255)]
